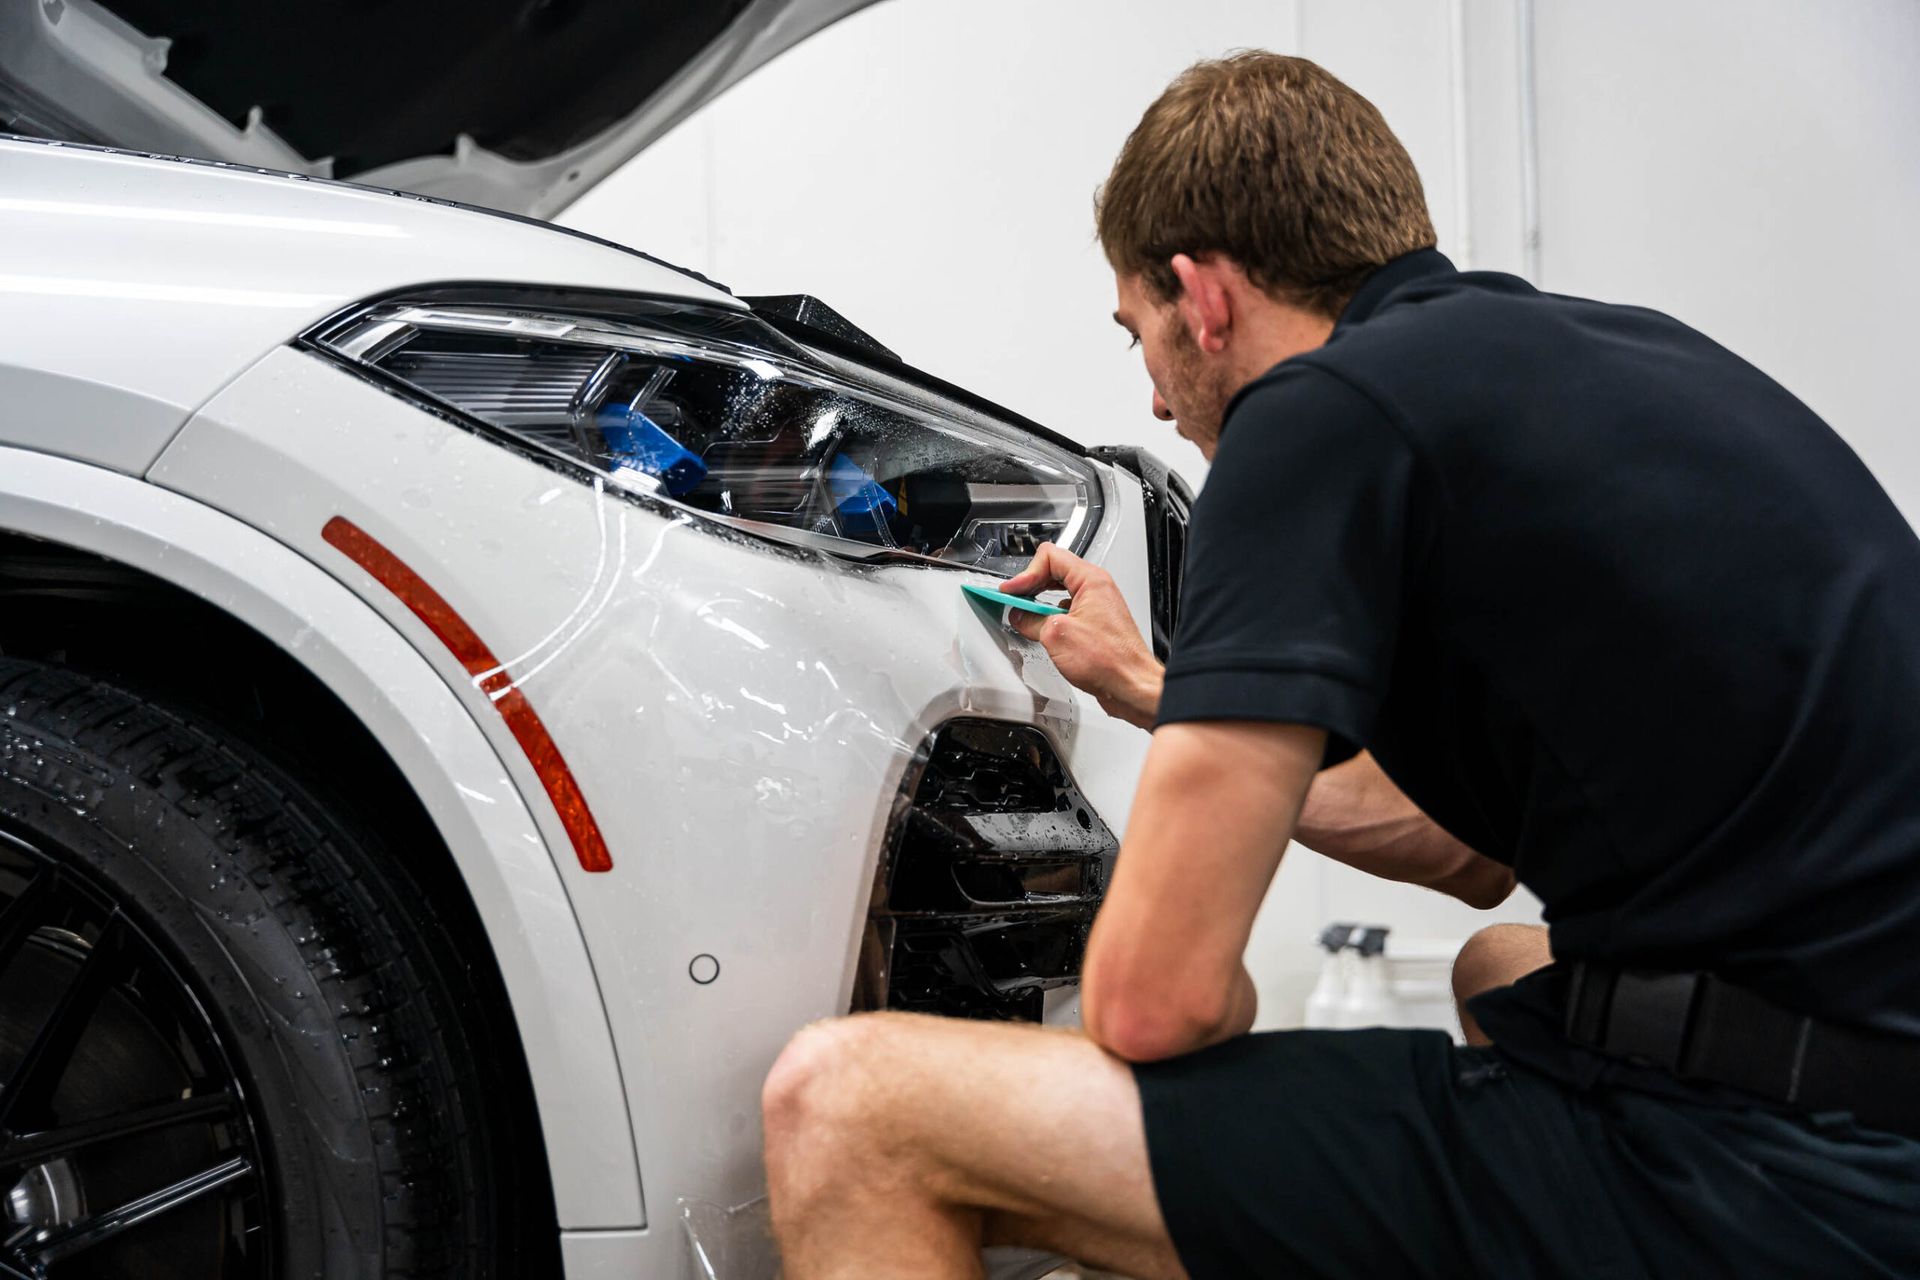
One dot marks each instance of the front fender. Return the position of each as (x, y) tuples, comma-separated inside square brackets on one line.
[(467, 792)]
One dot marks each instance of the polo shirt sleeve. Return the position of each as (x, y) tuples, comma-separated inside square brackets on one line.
[(1295, 568)]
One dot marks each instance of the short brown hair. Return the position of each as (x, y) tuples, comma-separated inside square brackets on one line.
[(1272, 162)]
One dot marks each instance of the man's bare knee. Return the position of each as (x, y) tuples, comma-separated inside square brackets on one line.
[(795, 1072), (833, 1100), (816, 1078), (843, 1157), (1497, 956)]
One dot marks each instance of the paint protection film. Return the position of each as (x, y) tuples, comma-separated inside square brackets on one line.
[(743, 719), (721, 414), (737, 1244)]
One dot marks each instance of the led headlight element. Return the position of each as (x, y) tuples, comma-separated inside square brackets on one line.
[(719, 413)]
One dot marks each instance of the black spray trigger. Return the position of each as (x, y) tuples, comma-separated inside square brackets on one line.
[(1335, 936)]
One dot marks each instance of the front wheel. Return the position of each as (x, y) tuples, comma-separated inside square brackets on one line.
[(233, 1040)]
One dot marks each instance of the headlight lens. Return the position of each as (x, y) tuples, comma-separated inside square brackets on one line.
[(719, 413)]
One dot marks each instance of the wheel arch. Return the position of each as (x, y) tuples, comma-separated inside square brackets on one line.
[(258, 621)]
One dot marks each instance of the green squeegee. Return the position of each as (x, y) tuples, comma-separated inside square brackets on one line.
[(1012, 602)]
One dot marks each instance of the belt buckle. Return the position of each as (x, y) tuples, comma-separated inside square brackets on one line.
[(1648, 1016)]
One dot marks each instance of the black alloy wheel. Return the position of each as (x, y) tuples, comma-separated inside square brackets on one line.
[(126, 1147), (238, 1037)]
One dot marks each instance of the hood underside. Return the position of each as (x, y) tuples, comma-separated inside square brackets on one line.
[(518, 105)]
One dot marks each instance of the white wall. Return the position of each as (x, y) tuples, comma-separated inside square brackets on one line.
[(927, 167)]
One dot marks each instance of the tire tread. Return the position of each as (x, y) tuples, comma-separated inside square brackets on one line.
[(320, 880)]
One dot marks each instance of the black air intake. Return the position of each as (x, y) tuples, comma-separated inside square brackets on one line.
[(994, 866)]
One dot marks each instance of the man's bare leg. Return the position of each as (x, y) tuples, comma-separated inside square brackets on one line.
[(898, 1144), (1497, 956)]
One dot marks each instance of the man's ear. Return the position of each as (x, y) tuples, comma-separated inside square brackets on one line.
[(1204, 303)]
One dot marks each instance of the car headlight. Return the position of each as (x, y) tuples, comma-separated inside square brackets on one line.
[(718, 412)]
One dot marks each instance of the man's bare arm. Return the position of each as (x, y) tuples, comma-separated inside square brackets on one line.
[(1165, 971), (1356, 815)]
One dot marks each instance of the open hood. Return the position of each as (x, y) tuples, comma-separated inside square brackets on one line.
[(518, 105)]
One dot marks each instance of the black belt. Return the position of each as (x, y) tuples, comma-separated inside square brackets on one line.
[(1703, 1030)]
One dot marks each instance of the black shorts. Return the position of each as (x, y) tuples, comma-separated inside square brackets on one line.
[(1388, 1153)]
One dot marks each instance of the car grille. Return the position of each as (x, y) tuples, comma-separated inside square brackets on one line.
[(1169, 507), (993, 868)]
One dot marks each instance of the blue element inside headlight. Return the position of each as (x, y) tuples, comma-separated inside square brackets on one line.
[(637, 441), (863, 506)]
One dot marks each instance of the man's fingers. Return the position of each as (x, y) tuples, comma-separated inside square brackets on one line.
[(1036, 577), (1027, 624), (1072, 572), (1050, 567)]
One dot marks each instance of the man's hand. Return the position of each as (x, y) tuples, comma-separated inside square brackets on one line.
[(1096, 643)]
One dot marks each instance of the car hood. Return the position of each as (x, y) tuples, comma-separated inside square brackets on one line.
[(518, 105)]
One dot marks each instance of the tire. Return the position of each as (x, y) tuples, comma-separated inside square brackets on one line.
[(246, 942)]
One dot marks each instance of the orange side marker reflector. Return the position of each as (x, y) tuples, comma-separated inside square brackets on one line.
[(472, 653)]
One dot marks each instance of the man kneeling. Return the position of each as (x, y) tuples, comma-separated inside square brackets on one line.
[(1483, 582)]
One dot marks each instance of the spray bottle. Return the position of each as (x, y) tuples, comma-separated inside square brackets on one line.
[(1369, 998), (1330, 992)]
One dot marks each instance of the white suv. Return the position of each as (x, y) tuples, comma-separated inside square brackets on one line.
[(469, 691)]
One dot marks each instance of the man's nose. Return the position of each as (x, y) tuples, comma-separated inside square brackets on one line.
[(1160, 409)]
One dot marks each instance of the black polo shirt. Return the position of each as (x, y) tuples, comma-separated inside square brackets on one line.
[(1608, 603)]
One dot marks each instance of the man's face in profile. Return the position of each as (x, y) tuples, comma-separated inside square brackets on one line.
[(1190, 389)]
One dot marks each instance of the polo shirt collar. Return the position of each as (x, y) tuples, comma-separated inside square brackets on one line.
[(1405, 269)]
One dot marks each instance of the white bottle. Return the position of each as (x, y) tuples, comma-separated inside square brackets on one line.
[(1330, 992), (1370, 1001)]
